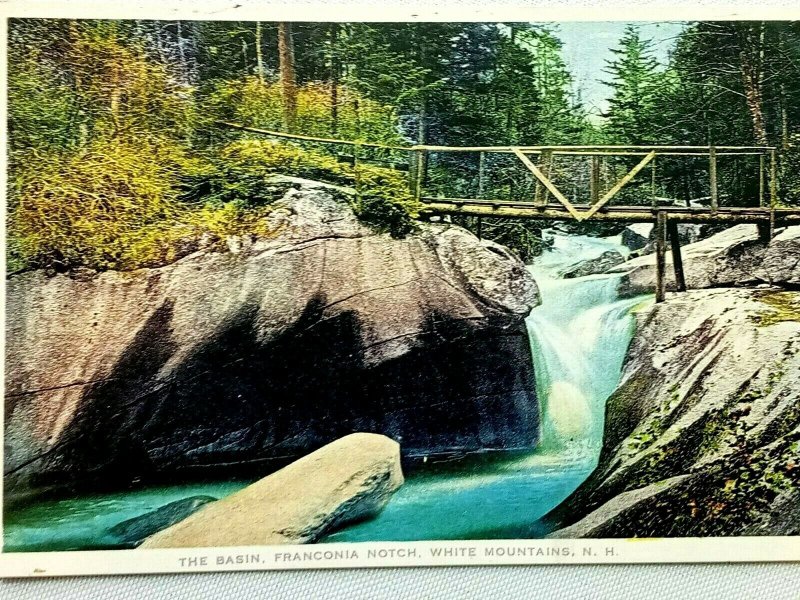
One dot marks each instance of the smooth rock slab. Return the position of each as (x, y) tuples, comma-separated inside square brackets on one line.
[(733, 257), (603, 521), (709, 390), (637, 235), (348, 480)]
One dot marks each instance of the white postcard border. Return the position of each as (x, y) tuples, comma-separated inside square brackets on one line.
[(381, 554), (403, 554)]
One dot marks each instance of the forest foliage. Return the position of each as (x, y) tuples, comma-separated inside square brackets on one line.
[(115, 160)]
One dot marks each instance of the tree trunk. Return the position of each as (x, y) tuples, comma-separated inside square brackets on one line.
[(114, 101), (751, 58), (335, 69), (422, 114), (784, 103), (182, 53), (288, 78), (259, 54), (81, 116), (244, 58)]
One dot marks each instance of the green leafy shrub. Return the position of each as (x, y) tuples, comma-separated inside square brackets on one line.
[(124, 205), (97, 140), (102, 171), (166, 241), (75, 208)]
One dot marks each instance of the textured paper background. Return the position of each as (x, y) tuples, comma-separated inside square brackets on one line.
[(772, 582), (734, 582)]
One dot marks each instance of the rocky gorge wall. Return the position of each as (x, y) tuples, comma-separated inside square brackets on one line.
[(702, 436), (268, 351)]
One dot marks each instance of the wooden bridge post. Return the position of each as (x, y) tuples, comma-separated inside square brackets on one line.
[(773, 191), (540, 198), (357, 174), (419, 172), (712, 171), (761, 180), (677, 259), (661, 255), (653, 182), (594, 182), (481, 167)]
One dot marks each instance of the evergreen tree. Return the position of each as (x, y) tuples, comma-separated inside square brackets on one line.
[(636, 84)]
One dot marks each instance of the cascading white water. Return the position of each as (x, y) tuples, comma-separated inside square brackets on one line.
[(579, 336)]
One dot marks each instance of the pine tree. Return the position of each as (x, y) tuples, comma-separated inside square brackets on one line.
[(636, 83)]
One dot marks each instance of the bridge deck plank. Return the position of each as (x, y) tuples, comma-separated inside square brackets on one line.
[(528, 210)]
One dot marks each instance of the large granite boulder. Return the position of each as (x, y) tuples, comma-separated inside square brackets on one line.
[(733, 257), (348, 480), (701, 435), (265, 352), (641, 238), (781, 261)]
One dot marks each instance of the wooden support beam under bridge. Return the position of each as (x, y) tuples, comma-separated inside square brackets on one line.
[(631, 214)]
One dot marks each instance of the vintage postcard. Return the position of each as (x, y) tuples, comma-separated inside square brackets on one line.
[(292, 289)]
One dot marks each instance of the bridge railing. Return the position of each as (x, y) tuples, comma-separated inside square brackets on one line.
[(539, 162)]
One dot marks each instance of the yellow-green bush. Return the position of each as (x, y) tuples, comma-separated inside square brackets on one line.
[(122, 205), (166, 241), (113, 206), (97, 148), (74, 208), (102, 174), (98, 84)]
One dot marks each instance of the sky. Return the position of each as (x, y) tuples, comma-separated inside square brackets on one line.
[(587, 47)]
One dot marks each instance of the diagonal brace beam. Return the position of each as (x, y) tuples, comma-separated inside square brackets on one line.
[(547, 183), (619, 185)]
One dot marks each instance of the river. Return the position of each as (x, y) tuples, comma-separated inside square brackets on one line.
[(579, 336)]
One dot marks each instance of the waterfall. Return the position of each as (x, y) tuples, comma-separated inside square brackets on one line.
[(579, 336)]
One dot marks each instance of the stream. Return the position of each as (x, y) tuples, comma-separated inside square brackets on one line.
[(579, 336)]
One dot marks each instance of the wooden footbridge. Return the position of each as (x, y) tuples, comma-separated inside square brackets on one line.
[(548, 202)]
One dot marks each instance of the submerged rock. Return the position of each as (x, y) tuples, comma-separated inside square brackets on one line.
[(593, 266), (736, 256), (348, 480), (133, 532), (262, 354), (701, 435)]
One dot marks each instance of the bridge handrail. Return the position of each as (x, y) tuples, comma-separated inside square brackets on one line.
[(621, 150), (418, 160)]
